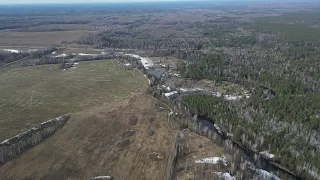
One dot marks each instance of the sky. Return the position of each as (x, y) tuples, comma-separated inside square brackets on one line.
[(76, 1)]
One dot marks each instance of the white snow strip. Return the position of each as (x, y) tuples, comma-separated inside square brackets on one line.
[(266, 153), (54, 52), (231, 98), (102, 177), (212, 160), (32, 50), (83, 54), (4, 141), (170, 93), (11, 50), (146, 62), (217, 94), (127, 64), (218, 128), (183, 90), (225, 176), (61, 55)]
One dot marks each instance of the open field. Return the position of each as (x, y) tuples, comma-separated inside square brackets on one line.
[(9, 38), (80, 50), (88, 145), (35, 94), (56, 27)]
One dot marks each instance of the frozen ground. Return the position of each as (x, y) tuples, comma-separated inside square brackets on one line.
[(146, 62), (212, 160)]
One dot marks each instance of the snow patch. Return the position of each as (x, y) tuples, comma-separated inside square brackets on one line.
[(32, 50), (267, 175), (212, 160), (225, 176), (11, 50), (260, 173), (267, 154), (103, 177), (218, 128), (183, 90), (146, 62), (83, 54), (61, 55), (54, 52), (232, 98), (170, 93), (217, 94)]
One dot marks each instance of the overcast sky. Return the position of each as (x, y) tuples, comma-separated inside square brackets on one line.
[(112, 1), (75, 1)]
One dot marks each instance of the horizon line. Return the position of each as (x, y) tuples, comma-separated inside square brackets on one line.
[(144, 1)]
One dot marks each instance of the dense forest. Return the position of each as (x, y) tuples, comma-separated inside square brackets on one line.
[(283, 114)]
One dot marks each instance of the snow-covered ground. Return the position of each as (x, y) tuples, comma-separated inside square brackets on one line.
[(225, 176), (61, 55), (11, 50), (266, 175), (232, 98), (83, 54), (260, 174), (102, 177), (218, 128), (19, 51), (146, 62), (267, 154), (32, 50), (170, 93), (212, 160), (217, 94)]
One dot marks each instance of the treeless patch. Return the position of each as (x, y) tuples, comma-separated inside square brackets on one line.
[(132, 120), (123, 143)]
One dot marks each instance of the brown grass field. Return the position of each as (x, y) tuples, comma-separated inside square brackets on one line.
[(101, 98), (38, 39), (87, 146), (31, 95)]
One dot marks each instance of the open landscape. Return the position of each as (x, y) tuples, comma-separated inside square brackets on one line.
[(160, 90), (34, 94)]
